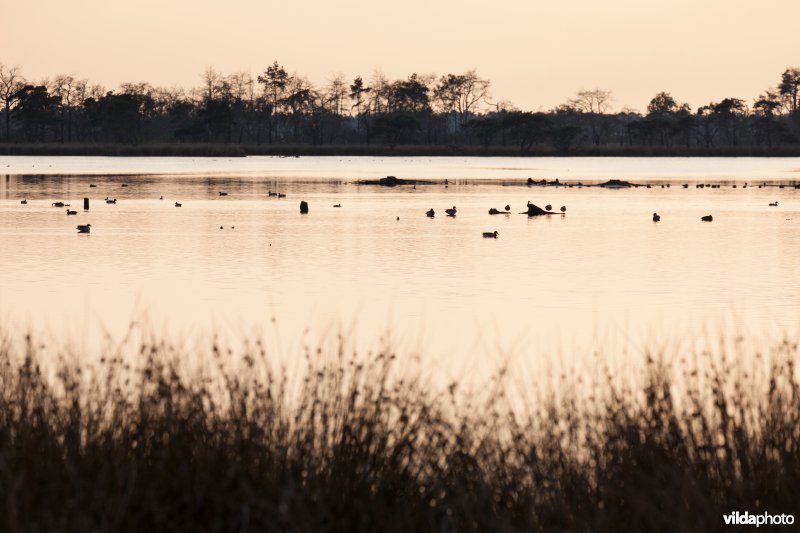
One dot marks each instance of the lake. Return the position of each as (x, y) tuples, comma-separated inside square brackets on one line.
[(603, 276)]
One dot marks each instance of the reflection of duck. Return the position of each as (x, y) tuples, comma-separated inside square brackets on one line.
[(84, 228), (451, 212), (430, 213), (707, 218), (71, 212), (490, 235), (656, 217)]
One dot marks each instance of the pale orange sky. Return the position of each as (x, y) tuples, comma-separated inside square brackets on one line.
[(536, 53)]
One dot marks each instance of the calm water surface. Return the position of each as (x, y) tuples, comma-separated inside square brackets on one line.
[(604, 274)]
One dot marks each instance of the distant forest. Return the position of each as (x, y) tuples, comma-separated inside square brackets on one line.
[(454, 111)]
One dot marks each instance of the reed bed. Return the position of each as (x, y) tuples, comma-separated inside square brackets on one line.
[(353, 443)]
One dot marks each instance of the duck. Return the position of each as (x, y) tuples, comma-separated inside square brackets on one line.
[(281, 195), (548, 207), (24, 202), (707, 218), (111, 200), (451, 212), (563, 209), (84, 228), (773, 204), (430, 213), (508, 208), (490, 234), (124, 184), (223, 193), (270, 193), (59, 204), (337, 205), (71, 212), (178, 204), (161, 198), (656, 217)]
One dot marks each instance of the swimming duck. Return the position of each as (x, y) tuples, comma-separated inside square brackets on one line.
[(178, 204), (490, 234), (707, 218), (337, 205), (656, 217), (563, 209), (84, 228), (548, 207), (223, 193), (773, 204), (451, 212), (71, 212), (111, 200), (430, 213), (23, 202), (59, 204), (270, 193)]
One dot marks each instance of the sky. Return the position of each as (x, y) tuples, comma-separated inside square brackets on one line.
[(536, 53)]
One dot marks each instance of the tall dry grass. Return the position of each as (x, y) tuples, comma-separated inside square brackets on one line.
[(144, 444)]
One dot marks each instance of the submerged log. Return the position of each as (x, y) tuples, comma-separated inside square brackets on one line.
[(535, 211)]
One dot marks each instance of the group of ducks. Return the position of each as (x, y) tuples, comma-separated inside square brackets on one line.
[(706, 218), (532, 211)]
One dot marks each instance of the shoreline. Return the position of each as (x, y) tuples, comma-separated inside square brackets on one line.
[(296, 150)]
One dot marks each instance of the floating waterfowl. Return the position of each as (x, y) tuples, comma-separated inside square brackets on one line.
[(451, 212), (23, 202), (563, 209), (84, 228), (548, 207), (490, 234), (124, 184), (508, 207), (223, 193), (337, 205), (773, 204), (270, 193), (59, 204), (160, 197), (303, 207), (111, 200), (707, 218), (178, 204), (92, 185), (71, 212), (430, 213), (656, 217), (281, 195)]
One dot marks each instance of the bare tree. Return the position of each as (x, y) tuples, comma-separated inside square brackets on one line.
[(596, 101), (461, 93), (11, 81), (72, 92)]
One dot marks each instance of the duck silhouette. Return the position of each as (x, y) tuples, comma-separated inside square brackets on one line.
[(773, 204), (178, 204), (84, 228), (23, 202), (71, 212), (707, 218), (430, 213), (451, 212), (490, 234), (656, 217)]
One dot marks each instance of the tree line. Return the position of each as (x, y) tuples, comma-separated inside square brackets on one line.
[(277, 107)]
